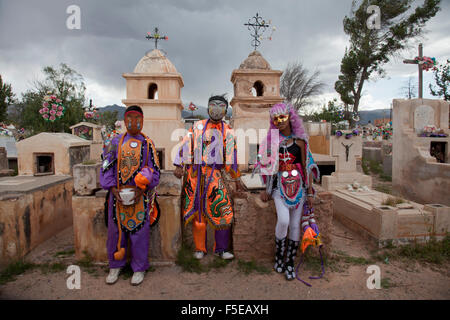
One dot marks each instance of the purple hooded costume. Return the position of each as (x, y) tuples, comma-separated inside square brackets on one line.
[(139, 237)]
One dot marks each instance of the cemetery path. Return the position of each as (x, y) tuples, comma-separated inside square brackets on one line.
[(399, 280)]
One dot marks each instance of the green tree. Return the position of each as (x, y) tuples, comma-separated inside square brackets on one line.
[(371, 48), (329, 113), (442, 79), (7, 97), (108, 119), (65, 83), (297, 86)]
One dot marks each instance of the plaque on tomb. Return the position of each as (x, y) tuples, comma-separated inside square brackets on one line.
[(423, 116)]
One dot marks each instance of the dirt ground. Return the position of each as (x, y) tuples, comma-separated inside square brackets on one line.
[(400, 279)]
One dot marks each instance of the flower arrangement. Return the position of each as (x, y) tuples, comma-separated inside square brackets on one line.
[(426, 63), (91, 115), (107, 140), (347, 135), (432, 131), (52, 108), (5, 132)]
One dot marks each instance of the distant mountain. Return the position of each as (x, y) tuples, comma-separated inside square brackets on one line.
[(201, 111), (371, 115), (120, 110)]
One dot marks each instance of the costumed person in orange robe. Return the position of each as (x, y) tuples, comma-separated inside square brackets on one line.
[(207, 150)]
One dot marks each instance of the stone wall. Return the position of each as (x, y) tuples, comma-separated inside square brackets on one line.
[(29, 218), (254, 227)]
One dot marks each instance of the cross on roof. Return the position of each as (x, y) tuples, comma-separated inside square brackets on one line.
[(418, 62), (155, 37), (257, 25)]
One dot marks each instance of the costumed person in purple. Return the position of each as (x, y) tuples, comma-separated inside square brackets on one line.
[(206, 151), (287, 168), (130, 166)]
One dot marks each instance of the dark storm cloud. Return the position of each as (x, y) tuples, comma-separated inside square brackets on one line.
[(207, 39)]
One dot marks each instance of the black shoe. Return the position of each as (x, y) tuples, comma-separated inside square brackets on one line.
[(291, 253), (279, 255)]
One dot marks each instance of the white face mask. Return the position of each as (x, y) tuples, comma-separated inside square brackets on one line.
[(217, 109)]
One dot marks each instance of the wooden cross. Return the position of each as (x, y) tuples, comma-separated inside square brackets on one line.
[(155, 37), (419, 65)]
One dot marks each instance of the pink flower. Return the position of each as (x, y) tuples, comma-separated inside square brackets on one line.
[(60, 108), (54, 106), (45, 110), (52, 118), (52, 112), (59, 114), (45, 104), (53, 97), (58, 100), (45, 116), (41, 111)]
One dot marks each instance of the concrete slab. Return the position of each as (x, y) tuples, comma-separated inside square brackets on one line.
[(27, 184)]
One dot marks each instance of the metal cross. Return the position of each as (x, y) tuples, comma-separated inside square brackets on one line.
[(258, 24), (347, 150), (155, 37), (410, 61)]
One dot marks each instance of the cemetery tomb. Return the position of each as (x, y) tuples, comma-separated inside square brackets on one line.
[(51, 153)]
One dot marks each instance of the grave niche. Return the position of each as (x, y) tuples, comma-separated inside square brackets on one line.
[(438, 149), (45, 164)]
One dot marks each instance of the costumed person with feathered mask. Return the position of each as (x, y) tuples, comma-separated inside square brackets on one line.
[(130, 165), (287, 168), (206, 151)]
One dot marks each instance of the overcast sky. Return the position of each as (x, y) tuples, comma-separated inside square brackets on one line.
[(207, 41)]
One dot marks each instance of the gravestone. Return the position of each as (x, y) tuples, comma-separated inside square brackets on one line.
[(423, 116), (346, 152)]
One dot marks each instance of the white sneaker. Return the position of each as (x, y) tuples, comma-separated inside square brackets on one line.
[(225, 255), (199, 255), (113, 275), (137, 278)]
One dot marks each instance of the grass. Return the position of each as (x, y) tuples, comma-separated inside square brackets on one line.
[(14, 269), (386, 283), (89, 162), (384, 189), (186, 260), (433, 251), (47, 268), (86, 263), (65, 253), (19, 267), (248, 267), (392, 201), (365, 167), (340, 256), (375, 167)]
